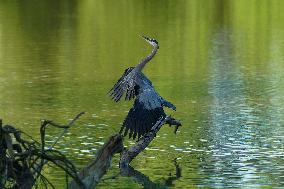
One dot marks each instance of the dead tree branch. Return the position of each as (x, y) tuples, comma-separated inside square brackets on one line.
[(128, 155), (21, 161)]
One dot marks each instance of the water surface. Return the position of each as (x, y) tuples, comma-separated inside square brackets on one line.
[(220, 62)]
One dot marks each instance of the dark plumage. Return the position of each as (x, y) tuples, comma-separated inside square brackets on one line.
[(140, 120), (146, 111), (123, 86), (148, 104)]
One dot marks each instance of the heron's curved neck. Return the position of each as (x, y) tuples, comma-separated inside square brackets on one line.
[(141, 65)]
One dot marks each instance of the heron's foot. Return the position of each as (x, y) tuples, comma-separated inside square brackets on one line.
[(172, 121), (177, 126)]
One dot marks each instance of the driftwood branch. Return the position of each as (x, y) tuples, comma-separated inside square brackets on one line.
[(128, 155), (91, 174), (33, 155)]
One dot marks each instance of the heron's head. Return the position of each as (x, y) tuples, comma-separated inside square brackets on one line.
[(152, 42)]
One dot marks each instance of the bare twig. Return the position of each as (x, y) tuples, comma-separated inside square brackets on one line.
[(43, 161), (45, 123)]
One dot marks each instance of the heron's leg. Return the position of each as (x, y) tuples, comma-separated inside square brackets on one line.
[(172, 121)]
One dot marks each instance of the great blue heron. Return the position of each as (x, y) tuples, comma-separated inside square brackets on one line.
[(148, 104)]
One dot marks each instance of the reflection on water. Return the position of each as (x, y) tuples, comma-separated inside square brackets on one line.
[(146, 182), (245, 146), (220, 62)]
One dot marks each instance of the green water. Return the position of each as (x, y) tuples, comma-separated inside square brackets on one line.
[(220, 62)]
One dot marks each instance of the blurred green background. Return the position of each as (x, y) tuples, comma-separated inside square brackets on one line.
[(220, 62)]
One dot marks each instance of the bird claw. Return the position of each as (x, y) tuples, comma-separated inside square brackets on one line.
[(172, 121), (177, 126)]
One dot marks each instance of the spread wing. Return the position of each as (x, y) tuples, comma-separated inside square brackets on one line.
[(146, 111), (127, 83)]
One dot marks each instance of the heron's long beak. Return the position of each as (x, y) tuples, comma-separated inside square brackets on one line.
[(146, 38)]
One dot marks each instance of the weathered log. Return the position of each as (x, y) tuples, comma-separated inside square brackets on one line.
[(91, 174)]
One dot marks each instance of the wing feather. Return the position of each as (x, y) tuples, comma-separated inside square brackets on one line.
[(126, 84), (144, 114), (123, 85)]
